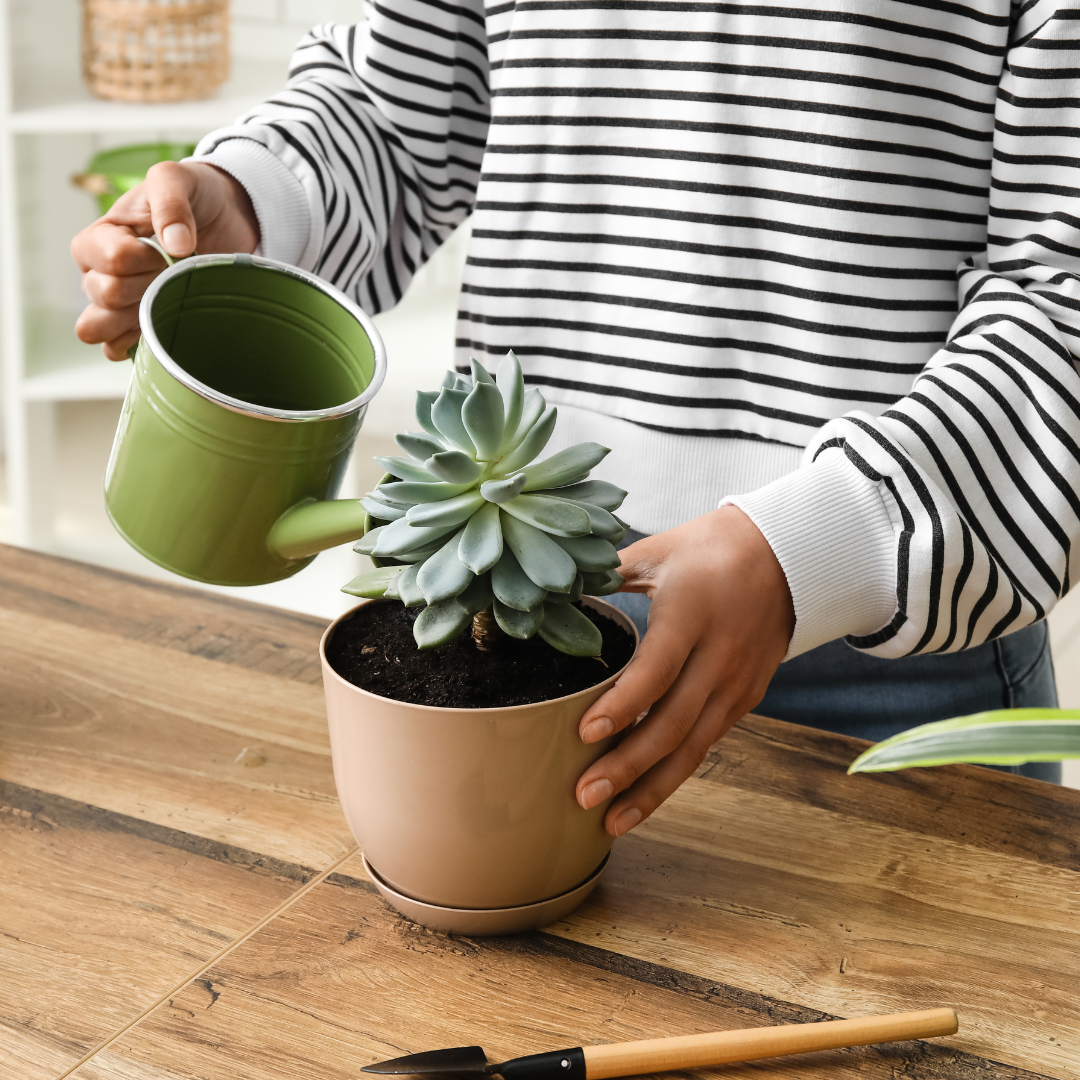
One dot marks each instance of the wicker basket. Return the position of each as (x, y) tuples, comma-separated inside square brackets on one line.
[(155, 50)]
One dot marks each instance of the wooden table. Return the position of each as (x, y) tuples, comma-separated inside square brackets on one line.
[(180, 896)]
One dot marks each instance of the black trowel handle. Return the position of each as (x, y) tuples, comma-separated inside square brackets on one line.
[(721, 1047)]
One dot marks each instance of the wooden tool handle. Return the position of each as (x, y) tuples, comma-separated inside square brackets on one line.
[(721, 1047)]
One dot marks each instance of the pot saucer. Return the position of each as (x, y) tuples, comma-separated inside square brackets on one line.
[(486, 922)]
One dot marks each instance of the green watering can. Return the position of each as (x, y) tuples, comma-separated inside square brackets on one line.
[(251, 381)]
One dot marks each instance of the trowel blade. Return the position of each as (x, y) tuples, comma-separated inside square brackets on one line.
[(457, 1060)]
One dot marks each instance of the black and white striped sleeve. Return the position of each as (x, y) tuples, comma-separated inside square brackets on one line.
[(977, 469), (370, 156)]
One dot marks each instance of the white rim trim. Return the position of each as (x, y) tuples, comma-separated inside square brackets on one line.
[(186, 266)]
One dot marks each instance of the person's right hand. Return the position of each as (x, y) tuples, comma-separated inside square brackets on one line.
[(186, 205)]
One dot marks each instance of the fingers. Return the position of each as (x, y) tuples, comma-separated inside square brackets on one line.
[(100, 325), (667, 775), (113, 250), (169, 188), (666, 726), (112, 292)]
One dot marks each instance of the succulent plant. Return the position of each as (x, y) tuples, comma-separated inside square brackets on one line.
[(474, 529)]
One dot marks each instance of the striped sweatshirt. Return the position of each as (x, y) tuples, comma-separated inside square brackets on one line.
[(821, 260)]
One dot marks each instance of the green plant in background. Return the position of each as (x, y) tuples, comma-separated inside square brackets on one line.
[(483, 534), (1002, 737)]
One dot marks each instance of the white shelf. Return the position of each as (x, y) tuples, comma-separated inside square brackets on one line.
[(104, 381), (59, 103)]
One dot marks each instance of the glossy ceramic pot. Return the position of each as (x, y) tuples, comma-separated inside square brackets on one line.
[(469, 809), (251, 381)]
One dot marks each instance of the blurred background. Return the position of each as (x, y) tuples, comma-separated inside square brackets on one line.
[(61, 399)]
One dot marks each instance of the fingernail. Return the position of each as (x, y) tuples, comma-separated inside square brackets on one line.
[(627, 820), (597, 729), (596, 792), (176, 239)]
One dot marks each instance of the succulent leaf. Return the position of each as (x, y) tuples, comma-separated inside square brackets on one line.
[(502, 491), (406, 469), (570, 631), (572, 597), (604, 524), (518, 624), (443, 576), (408, 492), (592, 554), (599, 492), (568, 466), (481, 543), (533, 443), (446, 416), (448, 512), (601, 584), (477, 595), (372, 583), (438, 624), (543, 560), (462, 382), (532, 408), (555, 516), (408, 590), (425, 399), (454, 467), (383, 511), (399, 538), (512, 388), (482, 416), (418, 446), (513, 587)]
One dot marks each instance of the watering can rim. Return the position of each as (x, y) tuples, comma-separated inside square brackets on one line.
[(246, 408)]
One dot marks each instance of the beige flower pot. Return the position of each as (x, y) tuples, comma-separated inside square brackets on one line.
[(467, 816)]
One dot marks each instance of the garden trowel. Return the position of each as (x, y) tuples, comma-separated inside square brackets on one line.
[(681, 1052)]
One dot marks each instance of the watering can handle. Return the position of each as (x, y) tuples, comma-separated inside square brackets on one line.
[(312, 526), (152, 241)]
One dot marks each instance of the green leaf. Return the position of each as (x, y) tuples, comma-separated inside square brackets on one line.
[(512, 586), (482, 415), (502, 491), (572, 597), (591, 553), (408, 492), (449, 512), (543, 560), (381, 510), (566, 467), (443, 575), (446, 416), (518, 624), (372, 583), (482, 543), (532, 408), (399, 538), (454, 467), (601, 584), (425, 399), (478, 595), (599, 492), (420, 555), (366, 544), (556, 516), (406, 469), (570, 631), (408, 590), (440, 623), (512, 388), (462, 382), (418, 446), (1000, 737), (533, 443)]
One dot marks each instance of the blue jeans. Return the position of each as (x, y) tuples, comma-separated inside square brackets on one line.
[(837, 688)]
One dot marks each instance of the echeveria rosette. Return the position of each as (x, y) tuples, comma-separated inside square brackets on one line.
[(474, 522)]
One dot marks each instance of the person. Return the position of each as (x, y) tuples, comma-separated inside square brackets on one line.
[(810, 271)]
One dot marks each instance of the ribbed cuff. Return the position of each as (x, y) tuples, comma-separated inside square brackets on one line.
[(277, 195), (830, 530)]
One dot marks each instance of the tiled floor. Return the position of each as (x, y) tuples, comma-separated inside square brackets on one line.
[(418, 335)]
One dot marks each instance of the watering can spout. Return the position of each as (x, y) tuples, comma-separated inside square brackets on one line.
[(312, 526)]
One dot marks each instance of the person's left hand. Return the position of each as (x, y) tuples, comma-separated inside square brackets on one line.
[(719, 625)]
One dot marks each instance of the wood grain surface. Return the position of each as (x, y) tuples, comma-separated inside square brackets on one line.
[(166, 914)]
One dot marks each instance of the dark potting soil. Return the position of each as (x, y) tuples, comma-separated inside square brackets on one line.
[(375, 650)]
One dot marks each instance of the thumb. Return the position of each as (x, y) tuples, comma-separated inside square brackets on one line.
[(169, 189)]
